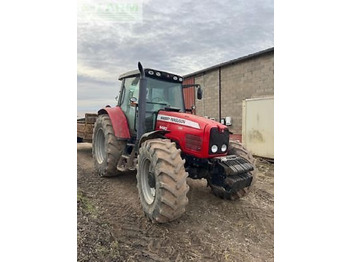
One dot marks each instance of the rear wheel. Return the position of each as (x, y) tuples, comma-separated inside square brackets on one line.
[(106, 149), (236, 148), (161, 180)]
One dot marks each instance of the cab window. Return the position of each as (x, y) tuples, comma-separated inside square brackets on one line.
[(131, 89)]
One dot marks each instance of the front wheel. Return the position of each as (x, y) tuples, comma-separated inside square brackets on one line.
[(161, 180)]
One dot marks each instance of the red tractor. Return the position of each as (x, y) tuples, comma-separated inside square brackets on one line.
[(149, 130)]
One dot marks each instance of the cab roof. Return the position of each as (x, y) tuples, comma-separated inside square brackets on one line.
[(153, 73), (129, 74)]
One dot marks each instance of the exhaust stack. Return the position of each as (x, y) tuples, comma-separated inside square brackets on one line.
[(141, 103)]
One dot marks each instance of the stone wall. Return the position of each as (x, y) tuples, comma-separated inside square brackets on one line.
[(245, 79)]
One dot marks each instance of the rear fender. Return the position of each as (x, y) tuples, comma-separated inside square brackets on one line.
[(152, 135), (119, 122)]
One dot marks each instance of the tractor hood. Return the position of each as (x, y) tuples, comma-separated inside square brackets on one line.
[(188, 120), (193, 134)]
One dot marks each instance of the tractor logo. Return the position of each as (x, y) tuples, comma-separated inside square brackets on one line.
[(178, 120)]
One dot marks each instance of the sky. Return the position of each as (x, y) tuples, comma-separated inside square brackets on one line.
[(180, 37)]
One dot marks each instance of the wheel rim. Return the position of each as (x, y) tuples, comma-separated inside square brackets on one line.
[(148, 182), (100, 146)]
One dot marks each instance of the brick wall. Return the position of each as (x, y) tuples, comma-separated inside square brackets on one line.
[(250, 78)]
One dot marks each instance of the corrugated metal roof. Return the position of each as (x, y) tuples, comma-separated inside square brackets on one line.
[(233, 61)]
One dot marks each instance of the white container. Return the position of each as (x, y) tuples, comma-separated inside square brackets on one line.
[(258, 126)]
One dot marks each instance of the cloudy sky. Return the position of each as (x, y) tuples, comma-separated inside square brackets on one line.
[(180, 36)]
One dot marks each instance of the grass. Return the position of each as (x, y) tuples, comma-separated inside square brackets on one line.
[(86, 203), (111, 251)]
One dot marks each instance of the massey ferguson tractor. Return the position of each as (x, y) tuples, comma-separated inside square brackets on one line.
[(149, 130)]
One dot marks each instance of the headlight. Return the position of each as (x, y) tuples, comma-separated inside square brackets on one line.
[(214, 148), (223, 148)]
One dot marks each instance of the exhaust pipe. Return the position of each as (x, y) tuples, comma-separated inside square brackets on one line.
[(141, 104)]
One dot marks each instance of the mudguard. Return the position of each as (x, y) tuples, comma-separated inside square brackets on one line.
[(119, 122), (151, 135)]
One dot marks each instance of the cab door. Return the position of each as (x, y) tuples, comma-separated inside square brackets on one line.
[(130, 88)]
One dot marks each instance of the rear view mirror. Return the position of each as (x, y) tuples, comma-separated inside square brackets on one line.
[(133, 101), (199, 93), (199, 89)]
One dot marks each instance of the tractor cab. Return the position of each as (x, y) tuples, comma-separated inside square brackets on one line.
[(163, 92)]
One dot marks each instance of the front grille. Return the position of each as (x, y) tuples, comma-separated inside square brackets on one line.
[(218, 137), (193, 142)]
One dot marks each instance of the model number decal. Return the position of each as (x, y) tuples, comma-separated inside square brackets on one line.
[(181, 121)]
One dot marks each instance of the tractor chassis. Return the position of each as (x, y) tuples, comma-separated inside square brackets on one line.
[(229, 173)]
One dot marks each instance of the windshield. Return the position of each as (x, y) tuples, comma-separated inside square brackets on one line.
[(162, 94)]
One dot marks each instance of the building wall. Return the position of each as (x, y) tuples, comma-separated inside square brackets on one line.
[(250, 78), (209, 104)]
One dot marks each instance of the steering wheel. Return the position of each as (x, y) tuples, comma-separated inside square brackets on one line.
[(157, 99)]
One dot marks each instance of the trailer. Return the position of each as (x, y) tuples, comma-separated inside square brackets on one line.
[(85, 127)]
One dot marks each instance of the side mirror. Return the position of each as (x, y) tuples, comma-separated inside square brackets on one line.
[(199, 93), (133, 101)]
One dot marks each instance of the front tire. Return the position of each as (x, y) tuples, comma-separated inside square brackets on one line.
[(106, 149), (161, 180)]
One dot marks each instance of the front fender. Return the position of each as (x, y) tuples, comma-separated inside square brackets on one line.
[(152, 135), (119, 122)]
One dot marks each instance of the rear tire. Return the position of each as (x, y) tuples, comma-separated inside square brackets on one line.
[(236, 148), (106, 149), (161, 180)]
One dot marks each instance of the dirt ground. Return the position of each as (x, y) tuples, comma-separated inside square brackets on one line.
[(112, 227)]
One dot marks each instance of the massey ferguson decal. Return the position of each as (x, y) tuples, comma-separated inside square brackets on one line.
[(180, 121)]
